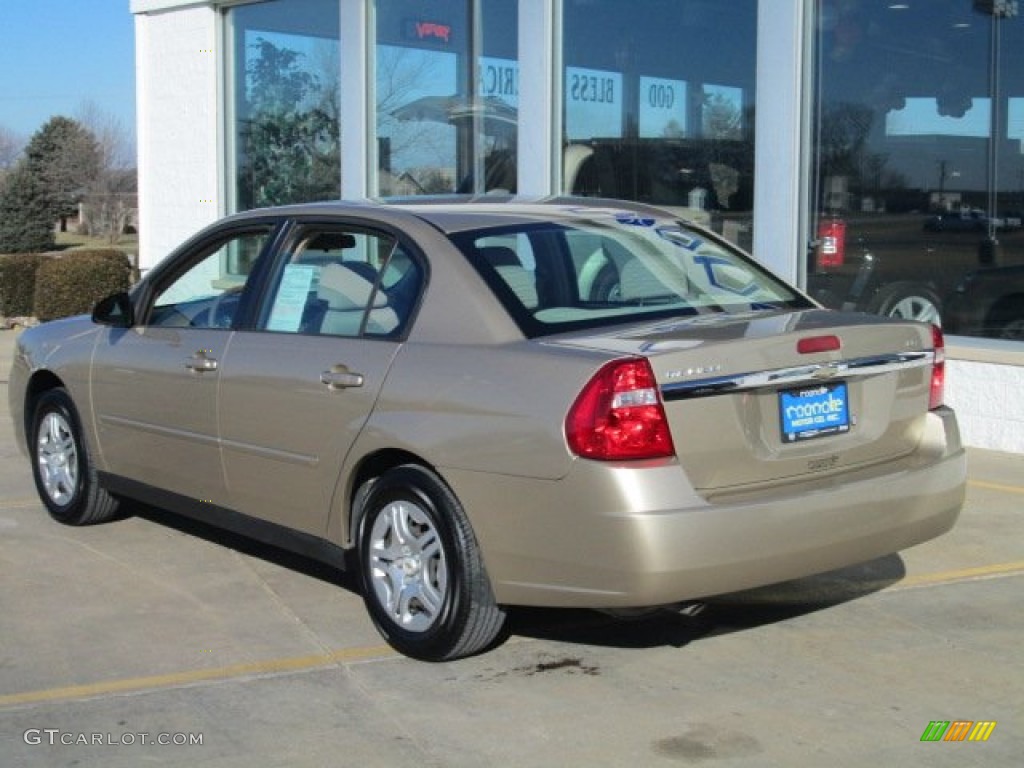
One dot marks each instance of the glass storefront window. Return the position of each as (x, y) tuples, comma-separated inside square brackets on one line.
[(918, 180), (283, 126), (447, 96), (658, 106)]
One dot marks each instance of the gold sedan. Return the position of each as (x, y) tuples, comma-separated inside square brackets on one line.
[(476, 405)]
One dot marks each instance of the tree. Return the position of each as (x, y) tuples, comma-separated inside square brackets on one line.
[(845, 128), (61, 161), (418, 143), (111, 197), (65, 157), (25, 222), (722, 117), (290, 140)]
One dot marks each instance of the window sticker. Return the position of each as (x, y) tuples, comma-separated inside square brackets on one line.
[(662, 108), (728, 270), (290, 301), (634, 219), (593, 103), (678, 237)]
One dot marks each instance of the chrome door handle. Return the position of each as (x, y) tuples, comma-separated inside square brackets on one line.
[(199, 363), (340, 377)]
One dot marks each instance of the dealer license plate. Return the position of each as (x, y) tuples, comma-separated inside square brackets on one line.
[(813, 412)]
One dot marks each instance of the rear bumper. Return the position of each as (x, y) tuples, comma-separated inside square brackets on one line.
[(631, 536)]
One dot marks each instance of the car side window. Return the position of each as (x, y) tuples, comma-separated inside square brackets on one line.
[(207, 294), (344, 283)]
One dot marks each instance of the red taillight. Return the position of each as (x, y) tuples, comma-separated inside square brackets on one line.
[(938, 390), (619, 415)]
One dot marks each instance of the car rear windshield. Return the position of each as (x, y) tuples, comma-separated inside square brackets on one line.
[(562, 275)]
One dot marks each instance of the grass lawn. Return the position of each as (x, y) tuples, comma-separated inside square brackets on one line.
[(72, 241)]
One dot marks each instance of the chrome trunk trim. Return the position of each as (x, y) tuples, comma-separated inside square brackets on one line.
[(874, 365)]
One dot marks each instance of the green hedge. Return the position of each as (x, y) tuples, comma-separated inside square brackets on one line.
[(73, 283), (18, 284)]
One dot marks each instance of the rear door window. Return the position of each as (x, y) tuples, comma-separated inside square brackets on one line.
[(343, 282)]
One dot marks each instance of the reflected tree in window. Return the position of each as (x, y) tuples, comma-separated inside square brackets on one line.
[(723, 118), (849, 166), (416, 139), (290, 149)]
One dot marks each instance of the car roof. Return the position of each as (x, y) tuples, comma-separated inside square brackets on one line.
[(452, 213)]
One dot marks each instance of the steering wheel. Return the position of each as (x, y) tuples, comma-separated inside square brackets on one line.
[(222, 310)]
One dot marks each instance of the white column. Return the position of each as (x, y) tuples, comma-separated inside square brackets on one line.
[(358, 99), (177, 92), (540, 116), (782, 137)]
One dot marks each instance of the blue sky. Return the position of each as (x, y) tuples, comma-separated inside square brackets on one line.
[(56, 55)]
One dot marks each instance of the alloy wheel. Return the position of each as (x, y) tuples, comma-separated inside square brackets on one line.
[(408, 567), (57, 457)]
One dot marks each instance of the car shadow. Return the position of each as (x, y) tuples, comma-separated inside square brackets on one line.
[(348, 580), (721, 615), (667, 627)]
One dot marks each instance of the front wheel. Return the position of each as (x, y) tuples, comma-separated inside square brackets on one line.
[(61, 466), (423, 578)]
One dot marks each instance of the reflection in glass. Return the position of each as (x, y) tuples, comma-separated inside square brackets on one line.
[(658, 106), (286, 86), (918, 178), (447, 97)]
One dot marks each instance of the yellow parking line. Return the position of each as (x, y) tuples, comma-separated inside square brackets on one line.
[(371, 652), (960, 575), (19, 503), (349, 655), (175, 679), (995, 486)]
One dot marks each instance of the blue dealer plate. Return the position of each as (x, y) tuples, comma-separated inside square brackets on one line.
[(812, 412)]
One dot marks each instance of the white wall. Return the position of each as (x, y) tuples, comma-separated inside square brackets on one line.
[(177, 72), (989, 401)]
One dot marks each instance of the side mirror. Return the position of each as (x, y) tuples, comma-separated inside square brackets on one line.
[(115, 310)]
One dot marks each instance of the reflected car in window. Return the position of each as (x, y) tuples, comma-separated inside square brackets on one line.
[(562, 402), (989, 303), (887, 264)]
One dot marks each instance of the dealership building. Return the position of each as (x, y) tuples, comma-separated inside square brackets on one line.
[(870, 151)]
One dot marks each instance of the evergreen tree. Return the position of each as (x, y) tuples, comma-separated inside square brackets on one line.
[(66, 158), (26, 225), (60, 163)]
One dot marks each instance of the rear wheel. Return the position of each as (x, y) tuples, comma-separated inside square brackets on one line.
[(61, 465), (423, 578), (908, 301)]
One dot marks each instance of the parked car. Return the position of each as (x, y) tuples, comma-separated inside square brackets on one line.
[(972, 220), (886, 265), (988, 302), (559, 403), (959, 221)]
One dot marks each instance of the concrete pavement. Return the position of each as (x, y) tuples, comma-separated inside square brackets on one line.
[(116, 637)]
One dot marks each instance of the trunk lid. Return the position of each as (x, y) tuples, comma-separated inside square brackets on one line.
[(766, 398)]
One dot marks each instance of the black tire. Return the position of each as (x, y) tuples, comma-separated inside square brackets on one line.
[(907, 301), (1006, 320), (423, 579), (63, 470)]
